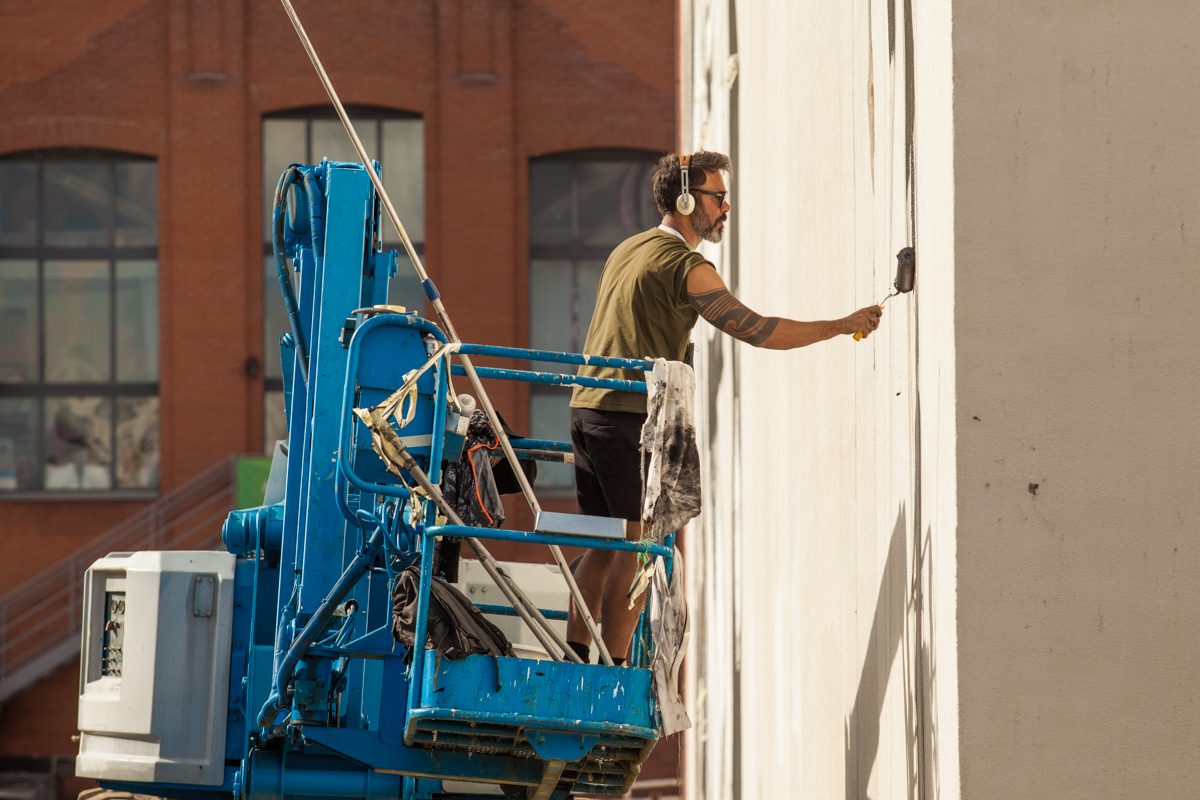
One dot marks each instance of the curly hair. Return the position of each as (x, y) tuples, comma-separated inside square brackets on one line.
[(668, 183)]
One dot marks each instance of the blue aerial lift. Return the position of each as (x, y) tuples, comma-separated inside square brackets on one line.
[(271, 669)]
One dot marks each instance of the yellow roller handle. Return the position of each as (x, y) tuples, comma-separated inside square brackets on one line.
[(858, 335)]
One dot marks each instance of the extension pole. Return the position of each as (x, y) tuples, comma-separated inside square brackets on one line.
[(436, 301)]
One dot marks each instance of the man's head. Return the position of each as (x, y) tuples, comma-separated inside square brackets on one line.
[(705, 182)]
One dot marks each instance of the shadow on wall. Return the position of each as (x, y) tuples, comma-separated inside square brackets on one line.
[(899, 612)]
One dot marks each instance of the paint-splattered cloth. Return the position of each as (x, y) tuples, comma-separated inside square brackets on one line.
[(669, 628), (672, 490)]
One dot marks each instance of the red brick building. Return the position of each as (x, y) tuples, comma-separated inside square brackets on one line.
[(135, 142)]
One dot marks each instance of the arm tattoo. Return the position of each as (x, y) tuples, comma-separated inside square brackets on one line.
[(726, 312)]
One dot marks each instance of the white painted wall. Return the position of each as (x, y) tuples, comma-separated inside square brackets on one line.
[(882, 607), (1077, 207), (811, 670)]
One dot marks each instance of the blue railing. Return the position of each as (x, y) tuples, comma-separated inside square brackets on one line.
[(560, 539), (427, 532), (526, 376), (554, 378), (556, 357)]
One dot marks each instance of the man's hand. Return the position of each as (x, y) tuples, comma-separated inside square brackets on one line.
[(863, 321)]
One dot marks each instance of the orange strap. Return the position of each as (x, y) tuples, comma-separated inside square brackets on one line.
[(475, 475)]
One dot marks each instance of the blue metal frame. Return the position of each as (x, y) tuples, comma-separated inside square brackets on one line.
[(562, 540), (343, 530), (556, 357), (555, 378)]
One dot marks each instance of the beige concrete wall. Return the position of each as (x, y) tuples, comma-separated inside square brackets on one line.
[(1077, 207), (958, 559)]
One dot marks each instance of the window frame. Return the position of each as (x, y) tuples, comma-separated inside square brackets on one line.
[(576, 253), (113, 388), (272, 386)]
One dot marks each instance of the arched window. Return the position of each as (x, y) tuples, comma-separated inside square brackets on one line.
[(78, 322), (396, 139), (582, 204)]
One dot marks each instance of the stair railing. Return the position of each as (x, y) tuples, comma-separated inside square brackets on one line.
[(40, 620)]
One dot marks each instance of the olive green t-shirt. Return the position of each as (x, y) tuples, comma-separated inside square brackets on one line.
[(642, 311)]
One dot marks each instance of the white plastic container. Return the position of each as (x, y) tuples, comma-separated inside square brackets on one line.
[(154, 671)]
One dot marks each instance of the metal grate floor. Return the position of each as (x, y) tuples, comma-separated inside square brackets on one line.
[(609, 768)]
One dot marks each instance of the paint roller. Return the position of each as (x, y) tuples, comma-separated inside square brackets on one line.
[(906, 277)]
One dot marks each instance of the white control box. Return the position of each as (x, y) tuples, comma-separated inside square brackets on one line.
[(544, 585), (154, 671)]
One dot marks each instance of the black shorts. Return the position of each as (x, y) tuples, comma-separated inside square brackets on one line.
[(608, 469)]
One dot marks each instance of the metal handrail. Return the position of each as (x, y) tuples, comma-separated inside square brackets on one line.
[(43, 613)]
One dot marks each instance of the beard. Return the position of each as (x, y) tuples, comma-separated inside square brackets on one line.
[(706, 227)]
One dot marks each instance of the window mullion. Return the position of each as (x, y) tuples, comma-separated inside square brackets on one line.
[(112, 356), (112, 321), (574, 343), (574, 258), (42, 390), (39, 432), (112, 443), (112, 207), (39, 195), (574, 206), (39, 444)]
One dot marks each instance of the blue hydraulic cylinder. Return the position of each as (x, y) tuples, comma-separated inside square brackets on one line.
[(275, 775), (298, 430), (375, 291), (249, 528), (323, 528)]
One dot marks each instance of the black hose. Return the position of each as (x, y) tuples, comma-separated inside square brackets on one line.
[(279, 214), (316, 216)]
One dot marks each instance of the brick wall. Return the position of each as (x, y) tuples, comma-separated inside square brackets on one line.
[(187, 81)]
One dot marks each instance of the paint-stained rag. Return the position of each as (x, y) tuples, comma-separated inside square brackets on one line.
[(669, 628), (671, 494)]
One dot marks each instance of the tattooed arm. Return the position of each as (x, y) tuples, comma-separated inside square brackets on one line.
[(709, 295)]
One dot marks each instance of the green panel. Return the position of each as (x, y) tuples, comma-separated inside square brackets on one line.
[(252, 474)]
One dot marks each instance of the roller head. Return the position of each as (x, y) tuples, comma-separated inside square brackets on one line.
[(906, 270)]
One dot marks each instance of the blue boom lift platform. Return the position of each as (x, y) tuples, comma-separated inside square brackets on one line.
[(270, 669)]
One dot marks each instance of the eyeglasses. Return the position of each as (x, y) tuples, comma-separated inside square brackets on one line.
[(719, 195)]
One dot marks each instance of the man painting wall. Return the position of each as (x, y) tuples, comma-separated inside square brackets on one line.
[(654, 288)]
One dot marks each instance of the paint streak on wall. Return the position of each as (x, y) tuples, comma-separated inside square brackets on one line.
[(824, 579)]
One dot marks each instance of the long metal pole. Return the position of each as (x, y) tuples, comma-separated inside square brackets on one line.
[(440, 309), (529, 604)]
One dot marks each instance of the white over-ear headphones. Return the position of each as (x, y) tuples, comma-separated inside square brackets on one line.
[(685, 204)]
